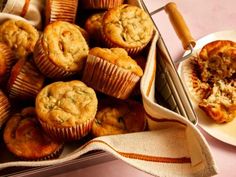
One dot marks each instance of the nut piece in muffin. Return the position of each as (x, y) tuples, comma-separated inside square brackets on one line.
[(61, 50), (217, 60), (5, 108), (20, 36), (128, 27), (66, 110), (7, 60), (119, 117), (25, 80), (25, 138), (100, 4), (58, 10), (111, 71), (221, 104)]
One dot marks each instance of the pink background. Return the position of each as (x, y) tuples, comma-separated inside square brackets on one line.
[(202, 17)]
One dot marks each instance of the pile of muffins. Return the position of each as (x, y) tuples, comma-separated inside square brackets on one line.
[(77, 77)]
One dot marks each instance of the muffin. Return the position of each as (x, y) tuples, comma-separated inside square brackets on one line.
[(61, 50), (119, 117), (25, 80), (66, 110), (7, 60), (111, 71), (93, 26), (58, 10), (5, 108), (128, 27), (100, 4), (20, 36), (25, 138), (217, 60)]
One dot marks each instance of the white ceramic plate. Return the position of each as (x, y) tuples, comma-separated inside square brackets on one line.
[(223, 132)]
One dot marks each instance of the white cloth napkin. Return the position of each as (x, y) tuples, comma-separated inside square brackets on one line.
[(28, 10)]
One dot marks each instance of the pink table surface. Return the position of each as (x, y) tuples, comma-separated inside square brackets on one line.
[(202, 17)]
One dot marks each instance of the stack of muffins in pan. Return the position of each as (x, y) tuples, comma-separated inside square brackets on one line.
[(77, 77)]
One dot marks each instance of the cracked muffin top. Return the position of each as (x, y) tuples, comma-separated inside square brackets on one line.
[(20, 36), (66, 104), (127, 26)]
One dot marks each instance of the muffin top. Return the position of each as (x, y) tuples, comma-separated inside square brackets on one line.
[(119, 57), (66, 104), (25, 138), (94, 23), (127, 26), (65, 45), (119, 117), (217, 60), (20, 36)]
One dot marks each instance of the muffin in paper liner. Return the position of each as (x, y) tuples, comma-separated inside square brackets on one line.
[(7, 61), (198, 90), (5, 108), (100, 4), (68, 133), (25, 138), (25, 80), (60, 10), (109, 78), (61, 50)]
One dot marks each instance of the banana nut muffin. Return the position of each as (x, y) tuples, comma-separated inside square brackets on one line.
[(100, 4), (119, 117), (25, 138), (66, 110), (20, 36), (111, 71), (128, 27), (61, 50), (5, 108)]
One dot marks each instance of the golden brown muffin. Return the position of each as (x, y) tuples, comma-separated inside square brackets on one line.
[(66, 110), (5, 108), (221, 104), (128, 27), (25, 80), (100, 4), (7, 60), (60, 10), (93, 26), (111, 71), (20, 36), (25, 138), (61, 50), (119, 117), (217, 60)]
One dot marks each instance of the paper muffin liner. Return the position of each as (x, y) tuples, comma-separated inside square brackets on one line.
[(131, 50), (25, 80), (68, 133), (109, 78), (5, 108), (198, 90), (101, 4), (10, 60), (61, 10), (45, 65)]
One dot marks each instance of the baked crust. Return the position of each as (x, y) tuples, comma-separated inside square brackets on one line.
[(119, 117), (221, 104), (127, 27), (66, 104), (25, 138), (20, 36), (100, 4), (217, 60), (119, 57)]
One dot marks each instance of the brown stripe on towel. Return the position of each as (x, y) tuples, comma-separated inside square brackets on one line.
[(25, 8)]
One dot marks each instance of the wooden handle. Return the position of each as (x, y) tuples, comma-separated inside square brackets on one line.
[(179, 25)]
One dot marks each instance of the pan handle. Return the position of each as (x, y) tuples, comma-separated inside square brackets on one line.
[(180, 26)]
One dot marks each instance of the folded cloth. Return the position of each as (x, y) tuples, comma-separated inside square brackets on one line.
[(29, 10), (173, 147)]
